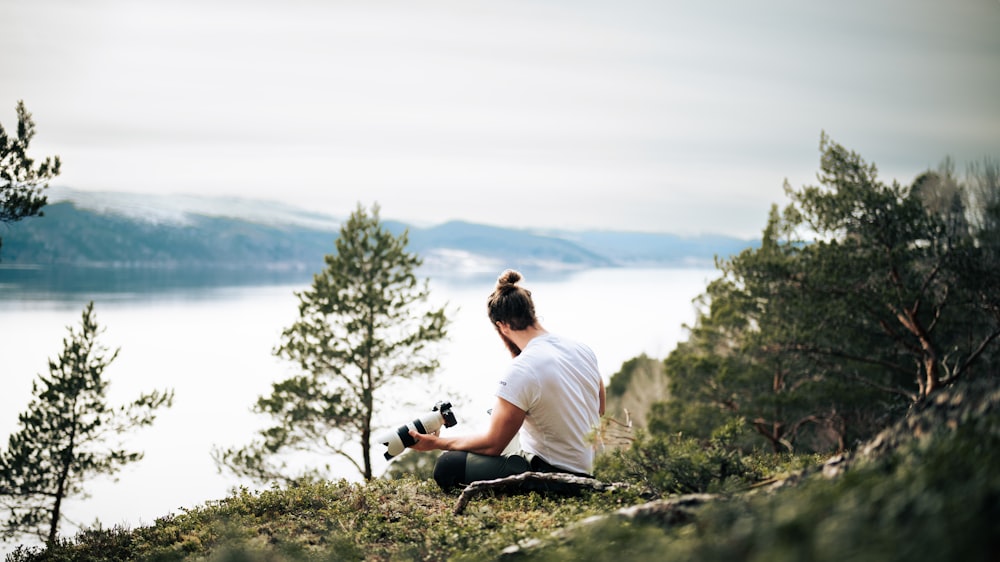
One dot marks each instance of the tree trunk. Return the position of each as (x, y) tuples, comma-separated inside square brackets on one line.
[(773, 432), (928, 380), (366, 448), (60, 493), (368, 404)]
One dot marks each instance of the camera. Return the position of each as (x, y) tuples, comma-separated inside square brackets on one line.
[(400, 438)]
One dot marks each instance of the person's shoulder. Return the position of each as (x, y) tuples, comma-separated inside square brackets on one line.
[(520, 374), (569, 342), (557, 345), (541, 348), (580, 348), (551, 339)]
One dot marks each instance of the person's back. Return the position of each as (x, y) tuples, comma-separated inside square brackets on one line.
[(556, 382)]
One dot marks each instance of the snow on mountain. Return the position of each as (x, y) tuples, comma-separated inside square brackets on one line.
[(180, 209)]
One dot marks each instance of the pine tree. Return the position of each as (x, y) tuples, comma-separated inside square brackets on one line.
[(362, 326), (21, 182), (68, 434), (862, 299)]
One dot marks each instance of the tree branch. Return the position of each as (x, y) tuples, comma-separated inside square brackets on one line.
[(889, 389), (973, 357), (525, 482)]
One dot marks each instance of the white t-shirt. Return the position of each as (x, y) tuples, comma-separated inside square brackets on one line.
[(556, 381)]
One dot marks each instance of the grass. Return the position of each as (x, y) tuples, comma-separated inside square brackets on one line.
[(402, 519), (934, 497)]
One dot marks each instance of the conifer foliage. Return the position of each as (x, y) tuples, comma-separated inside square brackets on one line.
[(863, 299), (21, 181), (363, 325), (68, 434)]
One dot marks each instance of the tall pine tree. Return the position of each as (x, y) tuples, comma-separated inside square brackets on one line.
[(363, 325)]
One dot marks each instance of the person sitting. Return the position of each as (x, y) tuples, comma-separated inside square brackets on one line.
[(551, 398)]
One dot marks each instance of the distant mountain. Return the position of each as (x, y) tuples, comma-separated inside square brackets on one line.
[(111, 230), (653, 249), (180, 209), (70, 236), (490, 248)]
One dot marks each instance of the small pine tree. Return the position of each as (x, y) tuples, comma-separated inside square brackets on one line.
[(362, 327), (67, 434)]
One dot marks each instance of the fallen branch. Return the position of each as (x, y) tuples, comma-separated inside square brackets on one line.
[(664, 512), (554, 482)]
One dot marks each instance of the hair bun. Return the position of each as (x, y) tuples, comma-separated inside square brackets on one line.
[(508, 277)]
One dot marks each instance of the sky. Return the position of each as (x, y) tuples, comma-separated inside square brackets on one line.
[(656, 116)]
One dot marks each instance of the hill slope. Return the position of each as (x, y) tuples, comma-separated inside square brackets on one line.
[(131, 231), (924, 490)]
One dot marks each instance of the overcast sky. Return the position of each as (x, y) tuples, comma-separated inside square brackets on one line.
[(652, 115)]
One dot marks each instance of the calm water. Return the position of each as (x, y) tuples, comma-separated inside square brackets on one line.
[(212, 345)]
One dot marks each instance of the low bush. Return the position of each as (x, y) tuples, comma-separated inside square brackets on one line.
[(937, 498), (668, 464)]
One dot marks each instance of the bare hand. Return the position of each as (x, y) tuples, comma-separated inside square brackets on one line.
[(424, 441)]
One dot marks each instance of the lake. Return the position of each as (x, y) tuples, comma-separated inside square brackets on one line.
[(212, 344)]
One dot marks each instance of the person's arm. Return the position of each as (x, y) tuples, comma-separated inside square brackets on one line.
[(505, 420)]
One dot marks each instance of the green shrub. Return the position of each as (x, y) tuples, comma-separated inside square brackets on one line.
[(937, 498), (675, 464)]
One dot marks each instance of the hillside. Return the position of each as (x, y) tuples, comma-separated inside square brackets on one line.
[(925, 489), (127, 231)]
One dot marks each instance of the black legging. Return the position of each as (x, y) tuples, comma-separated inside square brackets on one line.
[(459, 468)]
